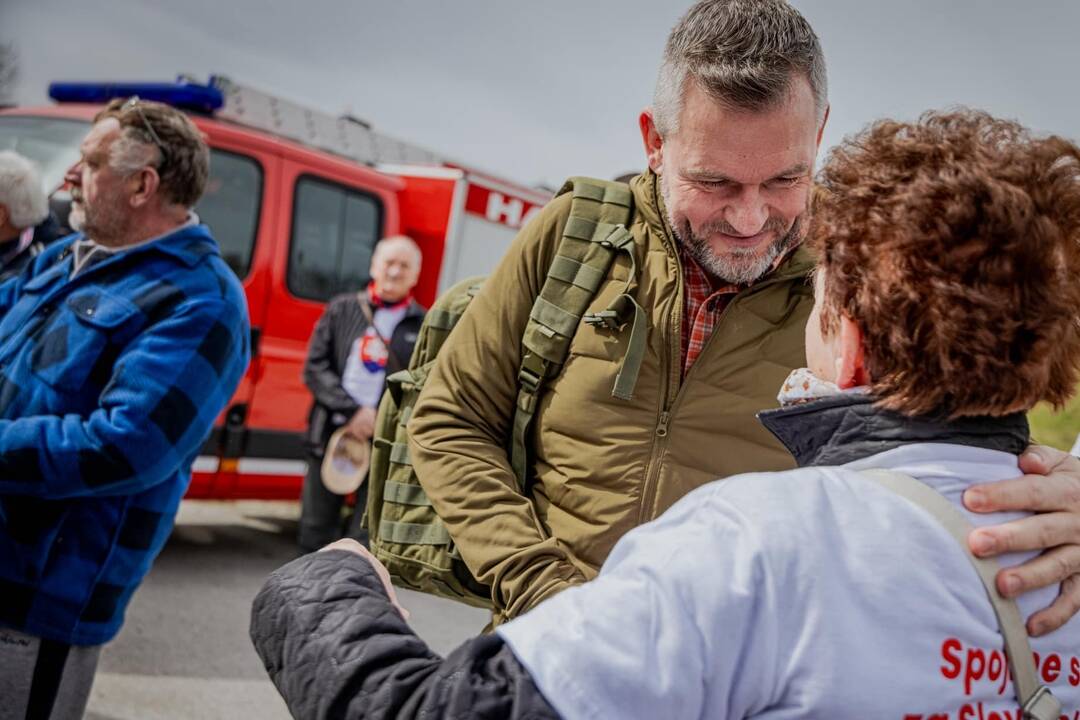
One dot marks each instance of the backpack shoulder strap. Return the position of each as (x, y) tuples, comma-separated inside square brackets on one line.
[(441, 319), (1035, 699), (595, 232)]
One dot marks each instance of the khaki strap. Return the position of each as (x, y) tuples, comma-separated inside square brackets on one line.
[(594, 233), (608, 194), (399, 453), (394, 382), (401, 376), (554, 317), (533, 371), (618, 237), (575, 273), (404, 494), (1036, 699), (630, 366), (413, 533), (580, 228), (613, 317), (519, 454), (441, 319)]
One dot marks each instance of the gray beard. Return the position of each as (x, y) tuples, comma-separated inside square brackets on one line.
[(104, 226), (76, 220), (738, 266)]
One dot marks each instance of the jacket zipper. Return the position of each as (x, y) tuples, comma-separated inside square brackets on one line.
[(661, 428), (667, 409), (672, 373)]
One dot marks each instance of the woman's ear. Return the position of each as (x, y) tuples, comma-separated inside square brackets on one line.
[(851, 362)]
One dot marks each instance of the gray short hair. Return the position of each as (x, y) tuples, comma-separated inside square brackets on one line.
[(743, 53), (21, 191), (130, 153)]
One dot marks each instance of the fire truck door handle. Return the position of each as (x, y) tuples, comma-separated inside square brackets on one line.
[(234, 435)]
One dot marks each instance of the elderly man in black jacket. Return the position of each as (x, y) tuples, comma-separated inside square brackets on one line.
[(360, 339)]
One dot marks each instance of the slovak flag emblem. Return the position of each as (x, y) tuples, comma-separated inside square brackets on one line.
[(373, 353)]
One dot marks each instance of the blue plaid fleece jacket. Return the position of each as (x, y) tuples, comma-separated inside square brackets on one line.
[(109, 384)]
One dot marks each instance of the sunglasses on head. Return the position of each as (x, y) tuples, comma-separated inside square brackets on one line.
[(133, 104)]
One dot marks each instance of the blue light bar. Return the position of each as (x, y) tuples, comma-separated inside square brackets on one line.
[(181, 94)]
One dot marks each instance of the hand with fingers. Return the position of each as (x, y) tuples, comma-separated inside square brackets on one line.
[(350, 545), (1050, 489), (362, 424)]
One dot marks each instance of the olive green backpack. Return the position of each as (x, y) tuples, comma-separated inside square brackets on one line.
[(406, 533)]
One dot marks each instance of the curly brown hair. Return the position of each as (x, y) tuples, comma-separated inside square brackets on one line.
[(954, 245), (183, 159)]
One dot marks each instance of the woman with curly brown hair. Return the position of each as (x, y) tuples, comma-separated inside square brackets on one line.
[(952, 247), (946, 306)]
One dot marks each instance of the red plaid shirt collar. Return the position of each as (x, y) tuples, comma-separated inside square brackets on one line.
[(704, 305), (703, 308)]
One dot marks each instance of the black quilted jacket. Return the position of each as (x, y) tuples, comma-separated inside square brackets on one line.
[(337, 649)]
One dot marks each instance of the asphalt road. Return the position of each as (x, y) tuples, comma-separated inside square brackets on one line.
[(184, 650)]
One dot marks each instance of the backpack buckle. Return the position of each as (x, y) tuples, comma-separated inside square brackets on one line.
[(531, 372), (616, 238), (608, 318), (1042, 705)]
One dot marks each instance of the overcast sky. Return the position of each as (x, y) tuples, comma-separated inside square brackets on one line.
[(538, 91)]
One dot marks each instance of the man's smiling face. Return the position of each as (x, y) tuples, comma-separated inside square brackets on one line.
[(736, 183)]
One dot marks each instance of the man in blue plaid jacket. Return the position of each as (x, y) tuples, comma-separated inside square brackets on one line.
[(118, 348)]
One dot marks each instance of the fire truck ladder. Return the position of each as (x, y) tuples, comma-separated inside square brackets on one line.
[(346, 135)]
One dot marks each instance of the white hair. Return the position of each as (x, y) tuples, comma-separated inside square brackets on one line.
[(404, 240), (21, 191)]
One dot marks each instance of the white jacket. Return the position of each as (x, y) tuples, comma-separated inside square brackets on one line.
[(812, 593)]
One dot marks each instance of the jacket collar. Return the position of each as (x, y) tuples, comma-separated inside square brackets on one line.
[(849, 427), (189, 245), (649, 202)]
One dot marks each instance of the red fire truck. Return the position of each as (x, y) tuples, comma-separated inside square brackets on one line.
[(297, 200)]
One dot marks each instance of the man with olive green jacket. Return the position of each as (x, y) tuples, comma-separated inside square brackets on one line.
[(600, 465)]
